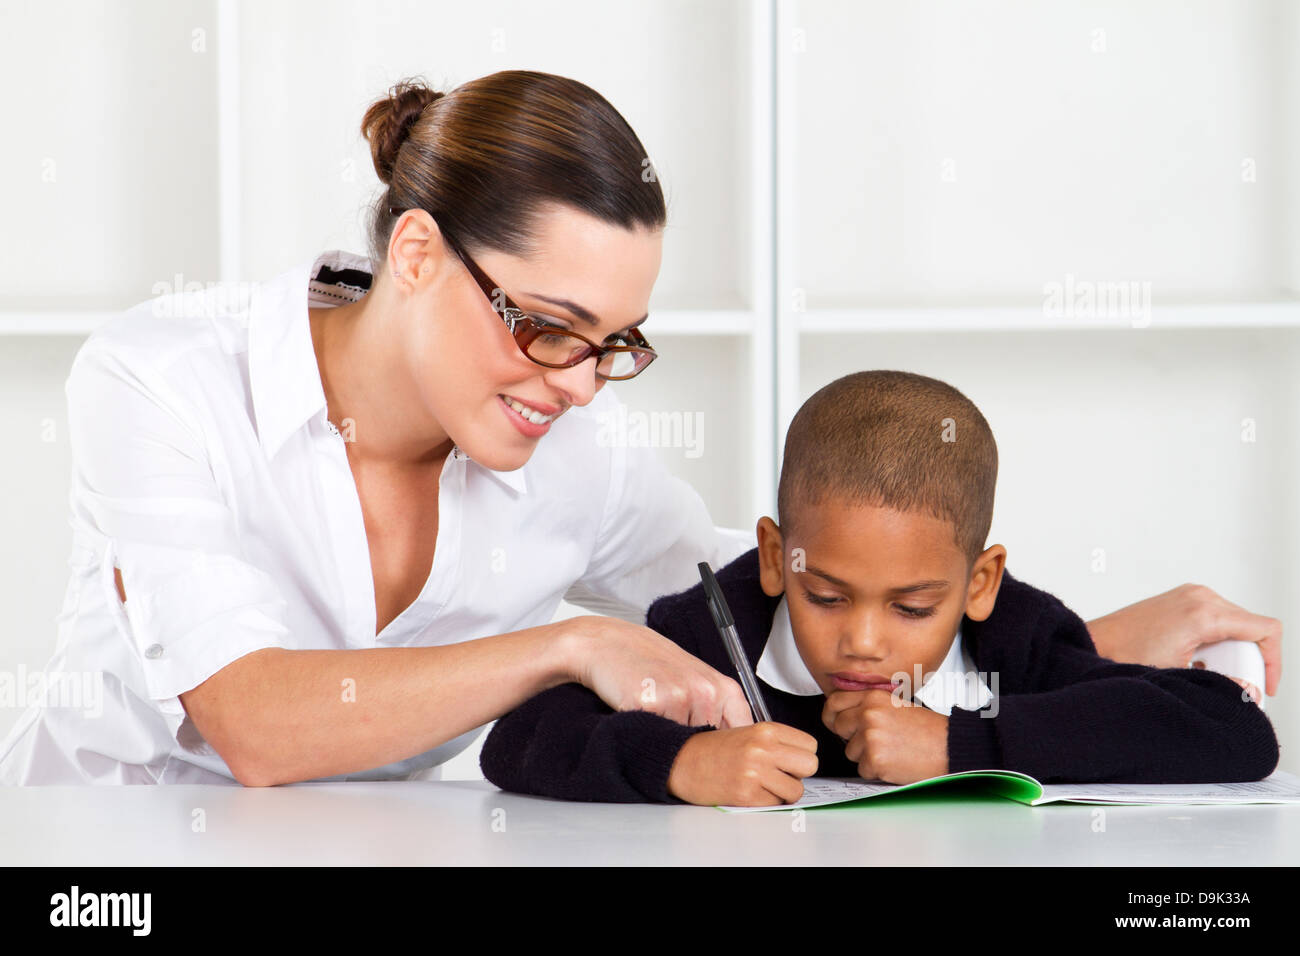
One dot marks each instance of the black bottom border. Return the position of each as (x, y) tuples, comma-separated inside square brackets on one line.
[(661, 904)]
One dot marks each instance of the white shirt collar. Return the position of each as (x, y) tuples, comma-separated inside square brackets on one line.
[(284, 378), (955, 684)]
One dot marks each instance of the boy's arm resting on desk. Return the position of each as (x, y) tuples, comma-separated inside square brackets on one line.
[(568, 743), (1073, 716)]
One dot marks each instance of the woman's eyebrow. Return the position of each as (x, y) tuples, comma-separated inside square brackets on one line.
[(578, 310)]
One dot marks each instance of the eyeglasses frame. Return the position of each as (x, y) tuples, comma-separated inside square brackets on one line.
[(524, 328)]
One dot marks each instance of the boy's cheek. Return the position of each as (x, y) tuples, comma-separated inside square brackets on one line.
[(818, 661)]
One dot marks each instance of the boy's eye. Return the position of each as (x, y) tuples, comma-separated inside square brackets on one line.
[(819, 600), (906, 609), (910, 611)]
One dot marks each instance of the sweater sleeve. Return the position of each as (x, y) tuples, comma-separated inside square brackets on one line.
[(568, 743), (1082, 718)]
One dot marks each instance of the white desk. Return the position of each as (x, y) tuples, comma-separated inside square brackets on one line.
[(451, 822)]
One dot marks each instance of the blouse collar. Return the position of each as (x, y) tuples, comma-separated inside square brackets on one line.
[(283, 374)]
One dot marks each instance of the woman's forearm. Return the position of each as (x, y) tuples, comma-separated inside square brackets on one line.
[(1099, 631), (280, 716)]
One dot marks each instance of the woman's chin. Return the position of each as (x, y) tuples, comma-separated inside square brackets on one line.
[(501, 459)]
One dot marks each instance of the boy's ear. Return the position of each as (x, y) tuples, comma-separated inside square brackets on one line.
[(985, 579), (771, 557)]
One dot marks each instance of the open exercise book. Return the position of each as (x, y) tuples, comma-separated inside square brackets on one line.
[(1280, 787)]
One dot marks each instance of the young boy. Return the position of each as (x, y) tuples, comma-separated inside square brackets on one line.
[(889, 643)]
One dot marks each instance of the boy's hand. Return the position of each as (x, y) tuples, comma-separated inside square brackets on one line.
[(894, 741), (761, 765)]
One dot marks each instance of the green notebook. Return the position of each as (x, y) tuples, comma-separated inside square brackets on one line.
[(1280, 787)]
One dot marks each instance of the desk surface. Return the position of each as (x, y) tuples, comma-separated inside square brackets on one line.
[(471, 823)]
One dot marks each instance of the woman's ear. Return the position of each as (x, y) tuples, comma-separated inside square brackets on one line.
[(415, 246), (771, 557), (985, 579)]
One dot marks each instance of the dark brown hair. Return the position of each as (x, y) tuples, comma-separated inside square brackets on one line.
[(893, 440), (485, 158)]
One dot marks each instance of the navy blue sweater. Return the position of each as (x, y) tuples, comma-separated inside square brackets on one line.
[(1065, 714)]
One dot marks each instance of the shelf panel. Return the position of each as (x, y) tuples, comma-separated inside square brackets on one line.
[(700, 322), (51, 323), (675, 323), (1280, 314), (740, 322), (922, 163), (109, 167)]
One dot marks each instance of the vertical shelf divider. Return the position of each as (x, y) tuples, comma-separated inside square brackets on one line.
[(762, 357), (228, 201), (786, 318)]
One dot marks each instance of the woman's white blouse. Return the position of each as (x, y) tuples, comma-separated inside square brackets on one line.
[(205, 469)]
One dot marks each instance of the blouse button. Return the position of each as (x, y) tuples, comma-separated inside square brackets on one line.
[(153, 651)]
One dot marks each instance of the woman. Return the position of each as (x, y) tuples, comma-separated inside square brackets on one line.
[(321, 526)]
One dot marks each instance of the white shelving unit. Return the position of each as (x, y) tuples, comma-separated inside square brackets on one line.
[(792, 120)]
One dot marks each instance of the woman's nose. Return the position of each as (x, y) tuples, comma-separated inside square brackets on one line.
[(578, 383)]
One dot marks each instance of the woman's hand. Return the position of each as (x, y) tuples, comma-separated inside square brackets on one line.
[(1166, 630), (632, 667)]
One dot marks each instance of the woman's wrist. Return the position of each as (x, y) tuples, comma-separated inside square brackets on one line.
[(1100, 632), (568, 651)]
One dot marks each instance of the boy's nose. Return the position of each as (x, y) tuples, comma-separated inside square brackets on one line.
[(866, 640)]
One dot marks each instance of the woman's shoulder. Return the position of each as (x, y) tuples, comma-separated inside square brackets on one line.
[(177, 321), (177, 348)]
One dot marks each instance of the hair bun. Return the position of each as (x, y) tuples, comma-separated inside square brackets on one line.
[(388, 122)]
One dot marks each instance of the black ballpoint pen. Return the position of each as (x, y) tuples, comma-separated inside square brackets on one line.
[(727, 628)]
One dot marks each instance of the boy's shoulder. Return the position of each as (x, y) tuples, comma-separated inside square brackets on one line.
[(1024, 616), (688, 610)]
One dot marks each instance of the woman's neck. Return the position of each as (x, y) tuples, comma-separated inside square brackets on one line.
[(368, 388)]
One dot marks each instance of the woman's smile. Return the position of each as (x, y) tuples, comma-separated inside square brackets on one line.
[(533, 420)]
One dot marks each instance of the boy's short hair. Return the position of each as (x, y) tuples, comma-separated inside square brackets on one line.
[(893, 440)]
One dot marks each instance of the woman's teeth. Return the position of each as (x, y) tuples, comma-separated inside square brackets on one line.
[(532, 414)]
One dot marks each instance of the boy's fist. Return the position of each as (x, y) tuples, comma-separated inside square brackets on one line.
[(897, 742), (761, 765)]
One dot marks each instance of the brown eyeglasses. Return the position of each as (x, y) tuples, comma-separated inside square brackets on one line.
[(551, 345)]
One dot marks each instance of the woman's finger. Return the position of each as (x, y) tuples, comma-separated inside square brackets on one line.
[(1231, 622), (735, 708), (1248, 687)]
